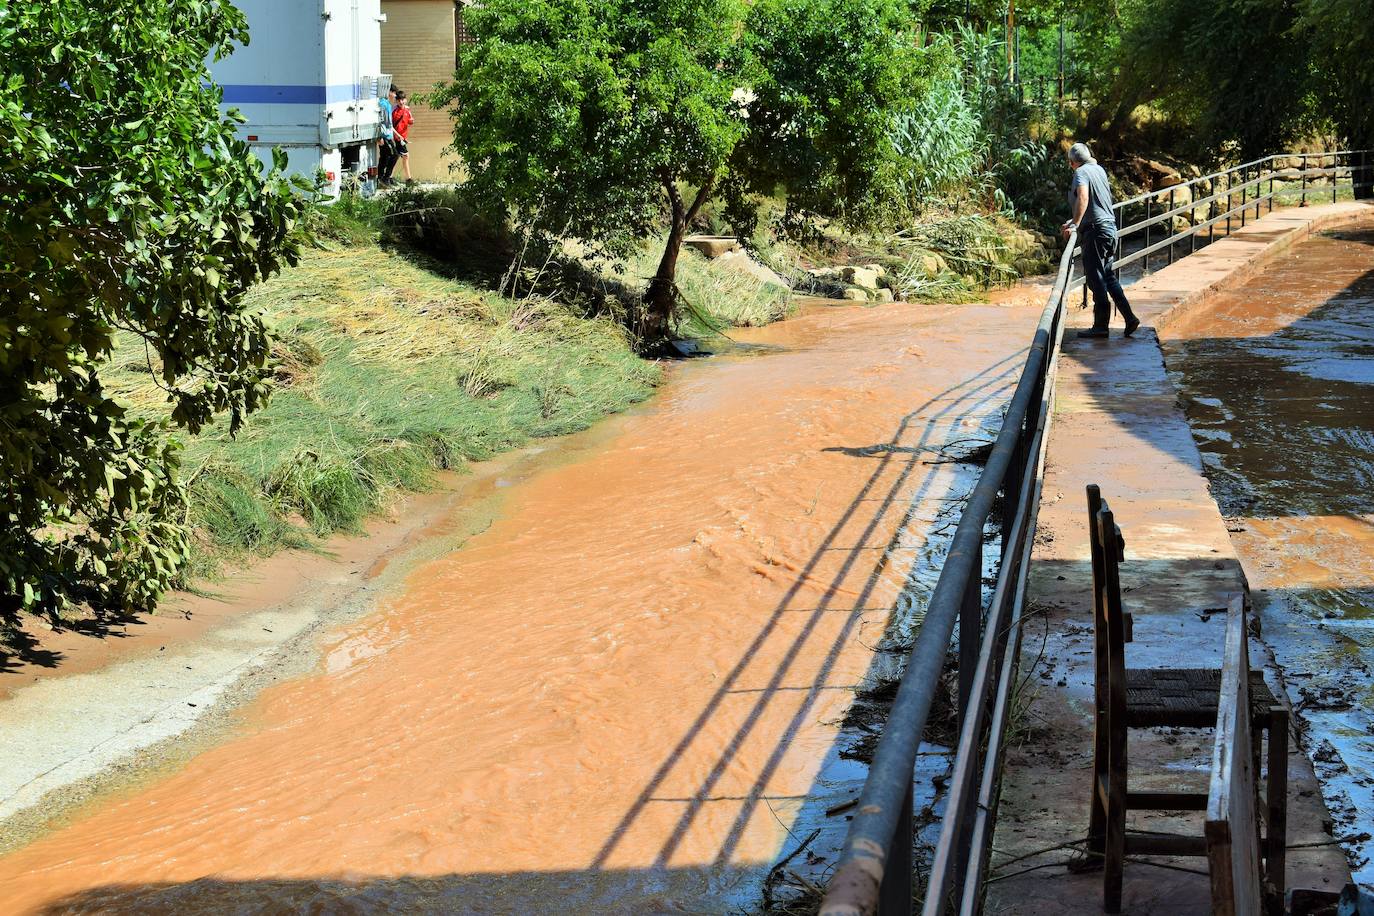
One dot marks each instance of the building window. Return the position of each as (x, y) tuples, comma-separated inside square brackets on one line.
[(462, 36)]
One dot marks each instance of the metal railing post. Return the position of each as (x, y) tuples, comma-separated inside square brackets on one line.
[(1244, 195), (970, 631), (1009, 508), (1271, 186), (1302, 198), (962, 839), (1230, 201), (1211, 213), (1083, 271), (1169, 226), (1120, 218), (894, 894), (1335, 170), (970, 644), (1192, 221), (1145, 267)]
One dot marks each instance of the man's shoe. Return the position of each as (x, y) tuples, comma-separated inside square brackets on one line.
[(1132, 326), (1095, 333)]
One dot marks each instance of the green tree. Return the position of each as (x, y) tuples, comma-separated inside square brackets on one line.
[(1340, 34), (1231, 77), (592, 118), (1232, 70), (585, 115), (832, 78), (126, 205)]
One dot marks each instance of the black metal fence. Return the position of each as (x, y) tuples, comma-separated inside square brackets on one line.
[(1171, 222), (876, 868)]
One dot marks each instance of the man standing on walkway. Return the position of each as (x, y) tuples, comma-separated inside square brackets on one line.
[(1091, 199)]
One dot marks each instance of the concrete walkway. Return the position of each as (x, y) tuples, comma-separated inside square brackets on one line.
[(1118, 424)]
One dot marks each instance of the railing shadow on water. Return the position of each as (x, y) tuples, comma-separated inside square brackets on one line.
[(871, 509), (884, 502)]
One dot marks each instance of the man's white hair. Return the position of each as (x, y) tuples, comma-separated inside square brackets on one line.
[(1080, 153)]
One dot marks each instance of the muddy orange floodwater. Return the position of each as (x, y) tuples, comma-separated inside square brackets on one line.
[(1278, 374), (610, 701)]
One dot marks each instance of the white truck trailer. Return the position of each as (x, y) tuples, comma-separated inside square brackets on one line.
[(308, 82)]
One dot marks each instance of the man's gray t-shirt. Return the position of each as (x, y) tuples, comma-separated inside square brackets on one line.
[(1099, 213)]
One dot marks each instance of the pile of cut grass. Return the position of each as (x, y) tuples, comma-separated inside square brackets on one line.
[(717, 297), (386, 371)]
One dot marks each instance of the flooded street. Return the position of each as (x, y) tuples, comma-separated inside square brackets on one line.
[(615, 698), (1278, 380)]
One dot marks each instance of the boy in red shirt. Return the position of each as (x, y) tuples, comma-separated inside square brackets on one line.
[(401, 119)]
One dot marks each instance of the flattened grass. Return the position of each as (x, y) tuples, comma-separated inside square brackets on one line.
[(723, 297), (386, 372)]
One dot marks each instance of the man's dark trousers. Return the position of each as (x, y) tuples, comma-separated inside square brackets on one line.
[(1099, 253), (386, 162)]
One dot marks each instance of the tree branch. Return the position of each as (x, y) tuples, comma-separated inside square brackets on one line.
[(703, 195), (674, 196)]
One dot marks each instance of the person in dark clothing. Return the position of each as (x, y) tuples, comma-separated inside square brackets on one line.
[(386, 145), (1090, 197)]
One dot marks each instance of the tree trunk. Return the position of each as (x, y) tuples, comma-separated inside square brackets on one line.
[(661, 297)]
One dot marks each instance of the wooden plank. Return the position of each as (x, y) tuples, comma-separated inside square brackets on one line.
[(1162, 844), (1232, 826), (1166, 801)]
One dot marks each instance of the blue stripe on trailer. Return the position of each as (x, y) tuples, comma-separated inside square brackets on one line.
[(255, 94)]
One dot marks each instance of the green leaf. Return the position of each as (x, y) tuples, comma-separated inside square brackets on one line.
[(119, 180)]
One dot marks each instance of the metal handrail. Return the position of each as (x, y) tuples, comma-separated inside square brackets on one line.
[(1256, 201), (1160, 217), (1139, 198), (874, 873), (865, 873)]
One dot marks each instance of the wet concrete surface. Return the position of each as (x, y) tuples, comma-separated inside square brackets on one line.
[(1278, 379), (1119, 423), (626, 694)]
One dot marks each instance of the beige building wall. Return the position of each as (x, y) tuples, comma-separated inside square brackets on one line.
[(418, 45)]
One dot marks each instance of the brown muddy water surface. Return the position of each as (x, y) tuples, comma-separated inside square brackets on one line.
[(617, 697), (1278, 375)]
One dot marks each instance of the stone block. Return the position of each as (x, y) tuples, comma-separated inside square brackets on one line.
[(869, 276), (712, 246)]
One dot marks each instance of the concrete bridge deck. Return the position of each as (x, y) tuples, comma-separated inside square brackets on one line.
[(1118, 423)]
